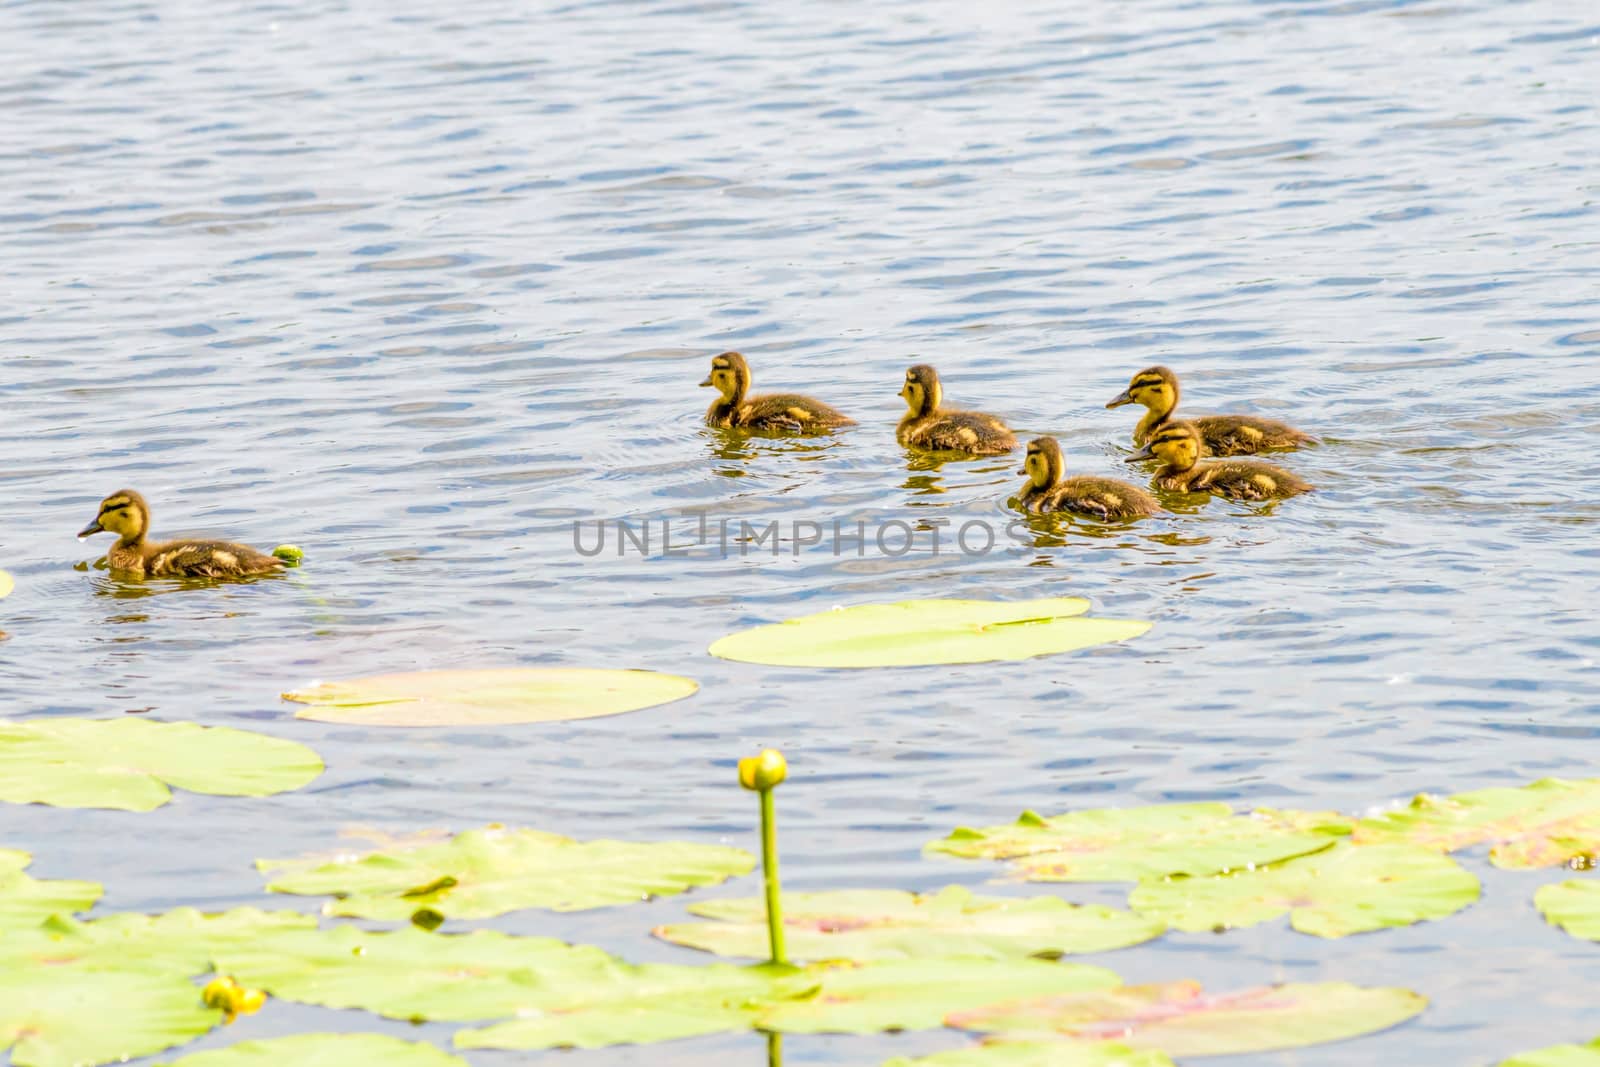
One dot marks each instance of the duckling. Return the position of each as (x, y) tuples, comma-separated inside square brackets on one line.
[(126, 514), (1102, 498), (1177, 444), (1224, 435), (730, 374), (928, 426)]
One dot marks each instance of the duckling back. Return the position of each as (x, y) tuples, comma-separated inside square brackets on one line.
[(206, 559), (1236, 479), (971, 432)]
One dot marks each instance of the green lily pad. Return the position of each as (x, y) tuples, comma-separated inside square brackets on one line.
[(1574, 906), (492, 697), (1550, 823), (1128, 844), (1178, 1018), (922, 632), (1340, 891), (26, 901), (658, 1003), (1559, 1056), (879, 924), (483, 873), (80, 1018), (128, 764), (1039, 1054), (182, 941), (324, 1050)]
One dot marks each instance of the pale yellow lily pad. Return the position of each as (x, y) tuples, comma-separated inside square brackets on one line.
[(489, 697), (6, 585)]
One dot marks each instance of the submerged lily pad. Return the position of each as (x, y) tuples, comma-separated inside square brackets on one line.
[(1559, 1056), (181, 942), (1039, 1054), (1574, 906), (878, 924), (26, 901), (492, 697), (922, 632), (483, 873), (1178, 1018), (1128, 844), (1550, 823), (1343, 890), (79, 1018), (324, 1050), (128, 764)]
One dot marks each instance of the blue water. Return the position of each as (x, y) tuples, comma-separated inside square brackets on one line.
[(418, 287)]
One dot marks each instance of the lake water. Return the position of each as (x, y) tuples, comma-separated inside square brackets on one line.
[(416, 287)]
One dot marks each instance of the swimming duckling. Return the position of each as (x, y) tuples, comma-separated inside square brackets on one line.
[(1177, 444), (1224, 435), (125, 513), (1102, 498), (730, 374), (928, 426)]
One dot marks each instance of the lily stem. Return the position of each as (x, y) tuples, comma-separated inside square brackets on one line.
[(769, 865)]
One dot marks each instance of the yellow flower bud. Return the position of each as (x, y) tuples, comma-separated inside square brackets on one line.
[(763, 772), (220, 993)]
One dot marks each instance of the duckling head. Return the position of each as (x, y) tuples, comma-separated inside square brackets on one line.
[(1154, 387), (730, 374), (123, 513), (1043, 464), (922, 392), (1176, 444)]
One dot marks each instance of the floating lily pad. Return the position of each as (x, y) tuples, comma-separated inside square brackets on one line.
[(79, 1018), (181, 942), (1551, 823), (1343, 890), (1039, 1054), (1559, 1056), (1574, 906), (493, 697), (1127, 844), (922, 632), (26, 901), (878, 924), (324, 1050), (6, 585), (658, 1003), (483, 873), (1178, 1018), (129, 763)]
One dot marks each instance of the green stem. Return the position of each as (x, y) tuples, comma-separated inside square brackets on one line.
[(774, 1049), (769, 864)]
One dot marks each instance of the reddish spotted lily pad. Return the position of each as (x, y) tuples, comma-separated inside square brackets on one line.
[(1550, 823)]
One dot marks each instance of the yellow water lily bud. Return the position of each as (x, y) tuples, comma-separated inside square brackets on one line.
[(220, 993), (763, 772), (249, 1001)]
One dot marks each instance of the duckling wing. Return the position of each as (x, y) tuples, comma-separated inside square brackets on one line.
[(1245, 435), (965, 431), (788, 411), (208, 559), (1244, 480), (1105, 498)]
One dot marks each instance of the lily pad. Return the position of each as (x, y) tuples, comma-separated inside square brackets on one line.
[(1550, 823), (1178, 1018), (483, 873), (79, 1018), (492, 697), (1128, 844), (1343, 890), (1039, 1054), (6, 585), (181, 942), (1574, 906), (915, 633), (128, 764), (880, 924), (26, 901), (1559, 1056), (324, 1050)]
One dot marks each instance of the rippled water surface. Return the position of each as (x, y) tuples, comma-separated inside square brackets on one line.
[(417, 287)]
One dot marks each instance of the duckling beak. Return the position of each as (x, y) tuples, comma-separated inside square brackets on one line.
[(903, 390), (93, 528), (1143, 453), (1024, 470), (1121, 398), (706, 382)]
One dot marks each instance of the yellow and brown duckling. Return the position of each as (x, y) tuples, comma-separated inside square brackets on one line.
[(1224, 435), (928, 426), (1177, 446), (1103, 498), (788, 412), (125, 514)]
